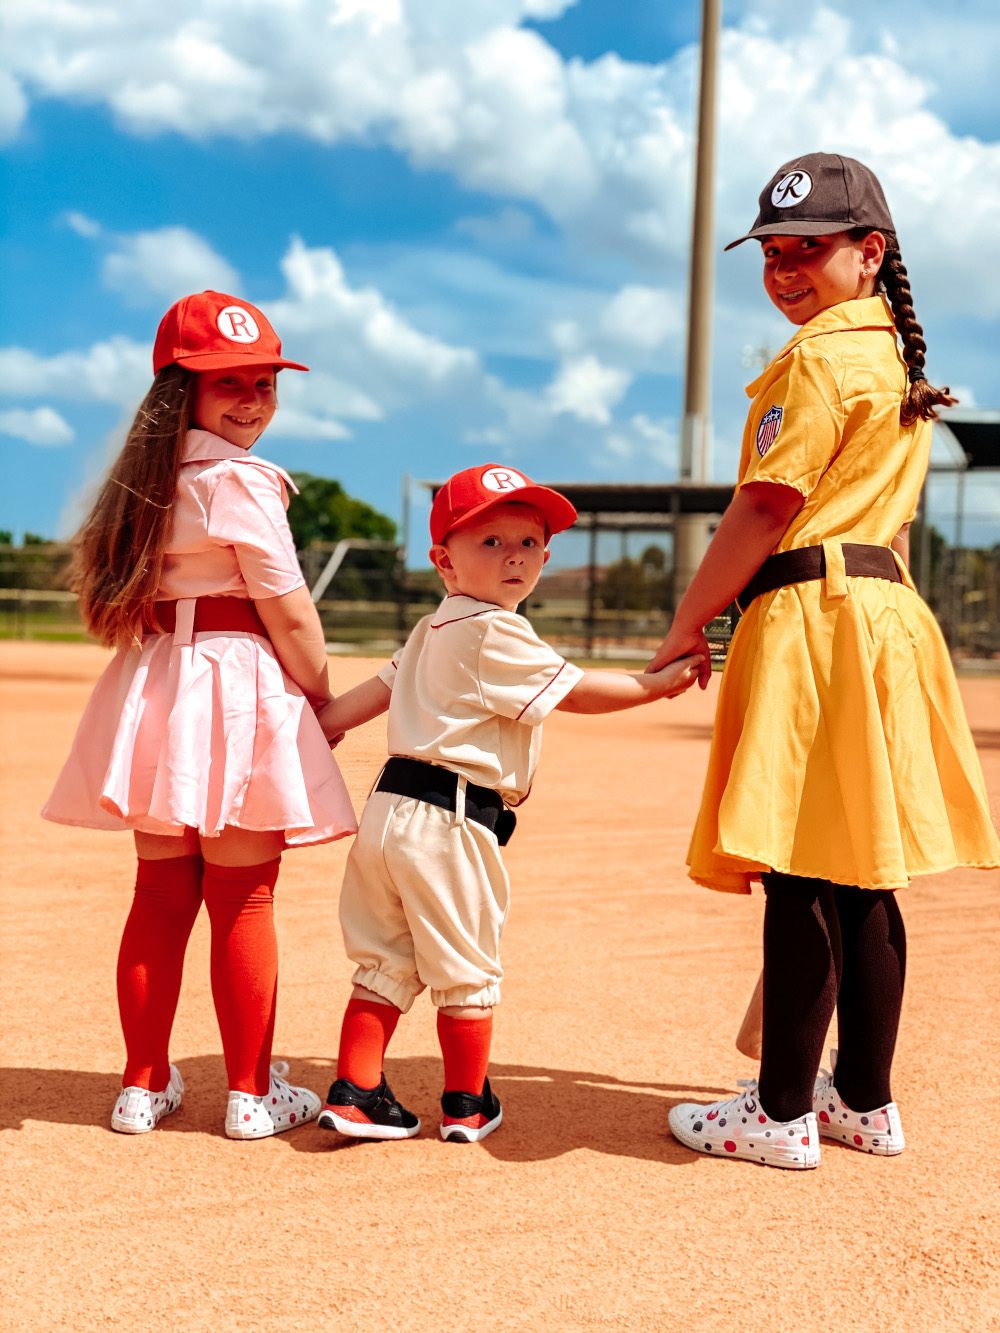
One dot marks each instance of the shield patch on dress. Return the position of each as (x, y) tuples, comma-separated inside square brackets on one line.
[(767, 431)]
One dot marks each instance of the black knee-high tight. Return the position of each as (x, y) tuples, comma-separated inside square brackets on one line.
[(829, 946)]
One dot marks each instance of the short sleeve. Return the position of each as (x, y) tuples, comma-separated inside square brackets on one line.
[(247, 512), (520, 676), (796, 425), (388, 673)]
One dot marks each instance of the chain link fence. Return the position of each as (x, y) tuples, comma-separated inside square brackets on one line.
[(370, 602)]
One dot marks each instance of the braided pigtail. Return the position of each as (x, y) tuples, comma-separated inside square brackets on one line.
[(922, 400)]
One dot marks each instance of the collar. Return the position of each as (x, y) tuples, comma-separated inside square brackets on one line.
[(461, 607), (869, 312), (201, 446)]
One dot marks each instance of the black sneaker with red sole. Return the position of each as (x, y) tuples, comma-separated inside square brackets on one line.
[(467, 1119), (367, 1113)]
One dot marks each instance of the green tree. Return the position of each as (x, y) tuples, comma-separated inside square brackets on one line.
[(6, 537), (637, 585), (33, 539), (324, 512)]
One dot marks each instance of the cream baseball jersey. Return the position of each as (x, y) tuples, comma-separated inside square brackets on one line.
[(470, 690)]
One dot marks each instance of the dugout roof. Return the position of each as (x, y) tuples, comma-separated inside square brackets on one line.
[(634, 505), (978, 440)]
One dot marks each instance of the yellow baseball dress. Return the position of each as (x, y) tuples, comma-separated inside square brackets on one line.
[(841, 749)]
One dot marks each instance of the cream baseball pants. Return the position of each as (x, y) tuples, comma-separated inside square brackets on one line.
[(424, 902)]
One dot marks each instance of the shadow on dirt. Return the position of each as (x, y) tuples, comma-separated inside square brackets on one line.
[(547, 1112)]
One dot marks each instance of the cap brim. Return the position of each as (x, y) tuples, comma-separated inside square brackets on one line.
[(801, 227), (557, 511), (220, 360)]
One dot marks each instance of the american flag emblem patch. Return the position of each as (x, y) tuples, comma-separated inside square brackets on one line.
[(767, 431)]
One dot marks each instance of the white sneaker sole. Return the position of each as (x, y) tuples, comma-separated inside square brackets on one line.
[(463, 1134), (881, 1145), (789, 1154), (265, 1132), (123, 1125), (359, 1129)]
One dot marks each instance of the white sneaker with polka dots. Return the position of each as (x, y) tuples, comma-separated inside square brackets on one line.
[(740, 1128), (879, 1131), (138, 1110), (283, 1107)]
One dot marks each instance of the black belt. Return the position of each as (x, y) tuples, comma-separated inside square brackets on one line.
[(438, 786), (777, 571)]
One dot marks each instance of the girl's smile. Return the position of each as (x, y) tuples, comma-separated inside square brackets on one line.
[(804, 275), (236, 403)]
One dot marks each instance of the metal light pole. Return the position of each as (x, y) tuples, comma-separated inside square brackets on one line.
[(691, 530)]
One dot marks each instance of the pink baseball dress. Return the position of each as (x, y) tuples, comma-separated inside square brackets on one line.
[(204, 730)]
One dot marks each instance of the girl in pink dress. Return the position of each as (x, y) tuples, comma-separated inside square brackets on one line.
[(201, 736)]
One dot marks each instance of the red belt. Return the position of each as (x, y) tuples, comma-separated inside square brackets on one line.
[(211, 613), (809, 562)]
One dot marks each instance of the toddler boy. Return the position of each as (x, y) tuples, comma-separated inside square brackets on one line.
[(425, 891)]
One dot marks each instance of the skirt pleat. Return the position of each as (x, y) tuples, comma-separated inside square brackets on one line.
[(203, 735), (841, 749)]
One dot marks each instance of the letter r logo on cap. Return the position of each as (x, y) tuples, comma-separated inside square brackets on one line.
[(238, 325), (502, 479), (792, 189)]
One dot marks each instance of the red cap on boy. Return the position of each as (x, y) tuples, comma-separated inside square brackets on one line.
[(209, 331), (471, 493)]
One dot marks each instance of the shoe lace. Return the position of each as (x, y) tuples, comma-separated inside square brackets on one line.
[(738, 1102), (279, 1073), (825, 1077)]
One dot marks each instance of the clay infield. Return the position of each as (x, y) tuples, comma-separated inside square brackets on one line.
[(625, 985)]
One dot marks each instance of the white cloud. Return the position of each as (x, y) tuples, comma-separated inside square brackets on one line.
[(643, 317), (367, 359), (603, 147), (82, 225), (356, 335), (587, 390), (13, 107), (115, 371), (508, 227), (168, 262), (43, 426)]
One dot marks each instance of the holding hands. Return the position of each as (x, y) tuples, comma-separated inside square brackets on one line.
[(685, 648)]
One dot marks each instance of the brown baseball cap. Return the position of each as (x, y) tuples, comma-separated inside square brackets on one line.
[(819, 194)]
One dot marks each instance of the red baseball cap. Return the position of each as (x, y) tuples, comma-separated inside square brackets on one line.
[(209, 331), (468, 494)]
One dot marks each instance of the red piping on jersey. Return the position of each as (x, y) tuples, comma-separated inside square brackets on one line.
[(460, 618), (540, 693)]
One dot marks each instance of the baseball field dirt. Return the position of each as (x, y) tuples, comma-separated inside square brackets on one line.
[(625, 986)]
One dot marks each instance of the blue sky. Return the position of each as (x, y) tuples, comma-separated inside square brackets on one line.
[(471, 220)]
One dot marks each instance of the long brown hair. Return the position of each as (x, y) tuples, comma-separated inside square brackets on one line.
[(118, 551), (921, 400)]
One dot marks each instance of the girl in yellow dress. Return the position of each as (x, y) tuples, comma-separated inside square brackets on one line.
[(841, 762)]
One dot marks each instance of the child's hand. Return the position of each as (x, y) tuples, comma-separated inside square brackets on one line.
[(328, 721), (683, 643), (677, 676)]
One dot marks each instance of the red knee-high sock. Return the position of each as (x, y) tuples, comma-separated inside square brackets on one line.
[(240, 902), (364, 1035), (465, 1045), (151, 961)]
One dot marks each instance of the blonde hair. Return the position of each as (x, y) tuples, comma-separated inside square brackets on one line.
[(118, 551)]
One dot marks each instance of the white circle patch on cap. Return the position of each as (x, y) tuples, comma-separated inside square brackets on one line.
[(793, 188), (237, 324), (503, 479)]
